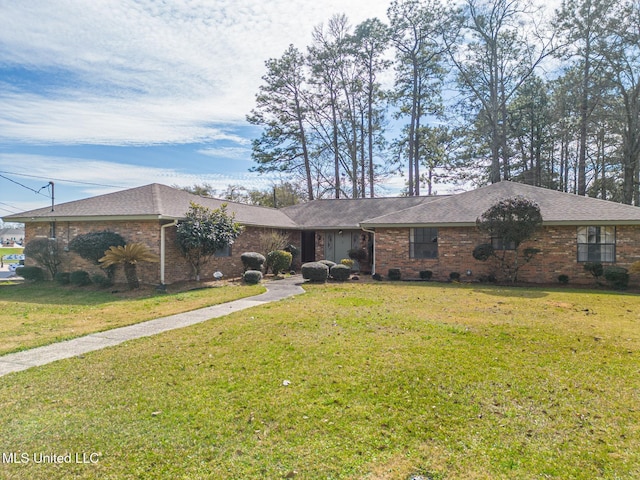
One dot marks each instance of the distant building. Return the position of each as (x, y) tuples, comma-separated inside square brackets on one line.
[(11, 236)]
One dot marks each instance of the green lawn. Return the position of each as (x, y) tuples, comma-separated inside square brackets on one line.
[(32, 315), (353, 381)]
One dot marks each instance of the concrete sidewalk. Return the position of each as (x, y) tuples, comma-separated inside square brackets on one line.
[(15, 362)]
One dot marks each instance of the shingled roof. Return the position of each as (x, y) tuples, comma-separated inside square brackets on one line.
[(557, 208), (157, 201), (150, 202)]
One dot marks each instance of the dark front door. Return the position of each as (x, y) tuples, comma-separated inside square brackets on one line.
[(308, 241)]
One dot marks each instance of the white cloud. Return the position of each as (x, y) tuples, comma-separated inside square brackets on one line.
[(146, 72)]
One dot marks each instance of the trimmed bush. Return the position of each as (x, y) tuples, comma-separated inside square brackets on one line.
[(80, 278), (32, 274), (328, 263), (315, 272), (252, 277), (483, 252), (377, 277), (252, 261), (563, 279), (358, 254), (454, 276), (426, 274), (62, 278), (618, 277), (594, 268), (340, 273), (279, 261), (394, 274)]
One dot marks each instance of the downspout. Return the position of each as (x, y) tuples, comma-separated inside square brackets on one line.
[(373, 260), (162, 248)]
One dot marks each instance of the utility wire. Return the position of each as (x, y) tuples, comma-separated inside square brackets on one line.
[(24, 186), (57, 180)]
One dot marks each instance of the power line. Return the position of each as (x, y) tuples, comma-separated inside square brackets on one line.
[(57, 180), (10, 206), (24, 186)]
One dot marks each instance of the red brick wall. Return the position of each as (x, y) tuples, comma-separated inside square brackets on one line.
[(455, 246), (148, 232)]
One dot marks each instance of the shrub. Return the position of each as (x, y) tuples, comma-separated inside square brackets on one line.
[(594, 268), (279, 261), (79, 278), (63, 278), (252, 261), (91, 246), (357, 254), (426, 274), (46, 252), (454, 276), (315, 271), (377, 277), (32, 274), (489, 278), (347, 261), (618, 277), (252, 277), (394, 274), (101, 280), (483, 252), (563, 279), (340, 272), (328, 263)]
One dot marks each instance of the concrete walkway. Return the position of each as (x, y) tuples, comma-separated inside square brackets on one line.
[(15, 362)]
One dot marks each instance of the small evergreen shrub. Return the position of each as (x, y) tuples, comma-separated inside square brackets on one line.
[(347, 261), (377, 277), (62, 278), (31, 274), (357, 254), (489, 278), (340, 273), (315, 272), (252, 261), (80, 278), (394, 274), (594, 268), (454, 276), (426, 275), (101, 280), (483, 252), (252, 277), (618, 277), (279, 261), (563, 279)]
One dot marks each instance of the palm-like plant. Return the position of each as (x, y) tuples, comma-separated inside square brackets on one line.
[(129, 256)]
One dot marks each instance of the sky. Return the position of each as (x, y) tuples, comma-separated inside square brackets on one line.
[(101, 95)]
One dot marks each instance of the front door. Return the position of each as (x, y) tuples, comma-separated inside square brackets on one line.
[(338, 243)]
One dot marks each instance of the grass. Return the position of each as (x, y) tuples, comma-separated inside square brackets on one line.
[(32, 315), (352, 381)]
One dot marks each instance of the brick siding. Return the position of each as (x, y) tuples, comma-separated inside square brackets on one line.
[(558, 254), (148, 232)]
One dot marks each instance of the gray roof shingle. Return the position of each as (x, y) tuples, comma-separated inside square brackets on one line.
[(556, 208)]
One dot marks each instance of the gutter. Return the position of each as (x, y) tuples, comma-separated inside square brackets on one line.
[(162, 248)]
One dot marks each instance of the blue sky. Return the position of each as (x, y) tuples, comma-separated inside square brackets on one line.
[(101, 95)]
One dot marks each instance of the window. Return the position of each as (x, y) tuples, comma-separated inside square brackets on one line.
[(597, 244), (423, 243), (499, 243), (223, 252)]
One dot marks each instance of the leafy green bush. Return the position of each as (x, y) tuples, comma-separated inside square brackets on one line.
[(426, 274), (91, 246), (340, 272), (252, 261), (279, 261), (46, 252), (377, 277), (618, 277), (32, 274), (101, 280), (357, 254), (563, 279), (80, 278), (594, 268), (394, 274), (454, 276), (483, 252), (252, 277), (315, 272), (63, 278)]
